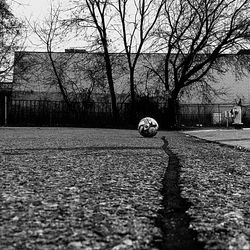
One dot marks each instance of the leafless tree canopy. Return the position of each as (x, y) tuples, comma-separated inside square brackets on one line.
[(194, 37), (10, 33), (93, 18), (195, 34), (136, 20)]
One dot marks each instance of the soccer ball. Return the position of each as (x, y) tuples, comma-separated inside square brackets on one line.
[(148, 127)]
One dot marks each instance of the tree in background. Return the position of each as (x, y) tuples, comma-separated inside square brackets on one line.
[(94, 17), (121, 26), (50, 33), (195, 35), (76, 74), (136, 20), (192, 37), (10, 39)]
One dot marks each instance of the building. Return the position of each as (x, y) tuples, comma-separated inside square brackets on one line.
[(83, 72), (83, 79)]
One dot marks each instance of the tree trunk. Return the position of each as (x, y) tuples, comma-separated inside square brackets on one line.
[(111, 85), (59, 81), (172, 112), (132, 95)]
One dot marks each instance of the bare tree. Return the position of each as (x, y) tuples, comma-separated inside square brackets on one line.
[(136, 20), (50, 33), (10, 35), (195, 35), (76, 74), (94, 15)]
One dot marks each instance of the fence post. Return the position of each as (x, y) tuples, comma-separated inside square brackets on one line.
[(5, 110)]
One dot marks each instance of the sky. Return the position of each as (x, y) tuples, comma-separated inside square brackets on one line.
[(29, 8), (35, 11)]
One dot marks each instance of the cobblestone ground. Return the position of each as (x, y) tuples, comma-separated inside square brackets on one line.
[(79, 189)]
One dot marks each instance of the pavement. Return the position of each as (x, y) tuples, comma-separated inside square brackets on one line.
[(233, 137), (79, 188)]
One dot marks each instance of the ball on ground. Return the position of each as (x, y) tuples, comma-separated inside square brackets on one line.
[(148, 127)]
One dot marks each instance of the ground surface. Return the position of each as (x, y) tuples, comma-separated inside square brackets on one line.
[(216, 180), (233, 137), (79, 189), (109, 189)]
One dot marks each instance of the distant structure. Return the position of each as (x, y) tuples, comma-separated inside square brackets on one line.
[(33, 77)]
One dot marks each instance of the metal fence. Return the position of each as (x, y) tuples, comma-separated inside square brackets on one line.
[(56, 113), (99, 114)]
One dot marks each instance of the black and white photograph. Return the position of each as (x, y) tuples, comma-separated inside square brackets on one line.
[(125, 125)]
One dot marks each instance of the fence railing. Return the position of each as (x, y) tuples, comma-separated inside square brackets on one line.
[(56, 113), (99, 114)]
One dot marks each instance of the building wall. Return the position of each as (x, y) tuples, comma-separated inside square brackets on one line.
[(34, 78), (33, 75), (229, 86)]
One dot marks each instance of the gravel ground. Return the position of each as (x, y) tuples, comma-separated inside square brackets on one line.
[(216, 180), (79, 189), (103, 189)]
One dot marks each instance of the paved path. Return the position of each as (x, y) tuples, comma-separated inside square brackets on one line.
[(73, 188), (234, 137)]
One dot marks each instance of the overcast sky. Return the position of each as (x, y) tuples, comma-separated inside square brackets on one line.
[(35, 10)]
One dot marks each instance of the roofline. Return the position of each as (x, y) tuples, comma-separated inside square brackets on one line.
[(58, 52), (116, 53)]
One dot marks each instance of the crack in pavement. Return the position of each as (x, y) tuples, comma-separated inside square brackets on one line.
[(173, 219)]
